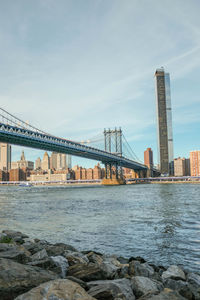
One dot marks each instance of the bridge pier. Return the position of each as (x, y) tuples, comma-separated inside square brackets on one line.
[(113, 175)]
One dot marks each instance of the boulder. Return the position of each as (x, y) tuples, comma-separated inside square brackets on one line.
[(82, 283), (104, 267), (61, 263), (87, 272), (142, 285), (194, 279), (173, 272), (95, 257), (60, 289), (140, 269), (56, 264), (42, 254), (16, 236), (76, 258), (33, 247), (109, 265), (182, 287), (166, 294), (16, 278), (111, 289), (58, 249), (15, 252)]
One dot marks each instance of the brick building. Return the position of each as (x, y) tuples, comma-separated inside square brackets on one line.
[(17, 175), (195, 163)]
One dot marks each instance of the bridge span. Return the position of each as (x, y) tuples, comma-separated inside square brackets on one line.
[(39, 140)]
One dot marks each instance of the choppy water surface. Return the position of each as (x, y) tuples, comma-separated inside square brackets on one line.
[(158, 222)]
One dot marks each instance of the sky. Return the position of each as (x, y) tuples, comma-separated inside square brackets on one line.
[(74, 67)]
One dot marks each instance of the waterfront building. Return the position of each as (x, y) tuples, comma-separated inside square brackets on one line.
[(49, 177), (38, 164), (181, 167), (164, 122), (4, 176), (22, 163), (78, 173), (17, 175), (90, 174), (84, 173), (5, 157), (97, 174), (45, 162), (195, 163), (148, 158)]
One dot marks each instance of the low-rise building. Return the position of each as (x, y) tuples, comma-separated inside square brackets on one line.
[(17, 175)]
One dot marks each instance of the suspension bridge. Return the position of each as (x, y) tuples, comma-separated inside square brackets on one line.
[(116, 153)]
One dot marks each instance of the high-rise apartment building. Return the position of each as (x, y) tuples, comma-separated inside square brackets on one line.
[(195, 163), (5, 157), (148, 158), (45, 162), (164, 120), (181, 167)]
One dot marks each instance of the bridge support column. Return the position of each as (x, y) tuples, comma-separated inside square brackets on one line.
[(113, 174)]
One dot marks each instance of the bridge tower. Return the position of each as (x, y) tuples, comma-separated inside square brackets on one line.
[(113, 144)]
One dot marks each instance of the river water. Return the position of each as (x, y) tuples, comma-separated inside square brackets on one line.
[(160, 222)]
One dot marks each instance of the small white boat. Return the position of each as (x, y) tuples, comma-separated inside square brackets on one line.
[(25, 184)]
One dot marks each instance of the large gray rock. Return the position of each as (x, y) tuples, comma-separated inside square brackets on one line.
[(111, 289), (58, 249), (61, 289), (182, 287), (56, 264), (194, 279), (138, 269), (109, 265), (33, 247), (166, 294), (76, 258), (142, 285), (15, 252), (173, 272), (87, 272), (16, 278), (16, 236), (103, 267), (42, 254)]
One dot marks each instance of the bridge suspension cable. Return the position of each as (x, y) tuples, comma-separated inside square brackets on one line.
[(10, 119), (129, 151)]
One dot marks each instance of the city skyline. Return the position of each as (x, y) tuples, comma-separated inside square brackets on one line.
[(74, 69)]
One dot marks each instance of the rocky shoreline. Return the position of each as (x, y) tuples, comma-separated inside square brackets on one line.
[(36, 269)]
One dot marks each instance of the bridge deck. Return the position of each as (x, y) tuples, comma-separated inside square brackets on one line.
[(24, 137)]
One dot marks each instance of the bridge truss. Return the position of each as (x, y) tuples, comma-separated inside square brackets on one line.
[(17, 132)]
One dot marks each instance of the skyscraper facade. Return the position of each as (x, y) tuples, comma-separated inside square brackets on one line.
[(45, 162), (148, 158), (164, 122), (5, 157)]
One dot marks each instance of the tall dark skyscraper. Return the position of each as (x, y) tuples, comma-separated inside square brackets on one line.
[(164, 122)]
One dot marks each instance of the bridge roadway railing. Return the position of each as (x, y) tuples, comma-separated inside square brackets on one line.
[(24, 137)]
